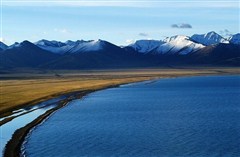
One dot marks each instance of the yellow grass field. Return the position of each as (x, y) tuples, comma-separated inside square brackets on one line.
[(28, 89)]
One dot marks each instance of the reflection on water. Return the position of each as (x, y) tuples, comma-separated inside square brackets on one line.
[(37, 106), (186, 117), (9, 128)]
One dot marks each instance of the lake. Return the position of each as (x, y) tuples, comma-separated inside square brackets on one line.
[(176, 117), (23, 117)]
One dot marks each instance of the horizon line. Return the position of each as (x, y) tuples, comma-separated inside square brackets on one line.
[(134, 40)]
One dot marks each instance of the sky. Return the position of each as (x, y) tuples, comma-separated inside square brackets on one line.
[(118, 21)]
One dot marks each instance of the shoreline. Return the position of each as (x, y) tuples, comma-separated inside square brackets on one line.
[(69, 83), (13, 147), (10, 111)]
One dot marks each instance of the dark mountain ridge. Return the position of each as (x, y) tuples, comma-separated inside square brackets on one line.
[(100, 54)]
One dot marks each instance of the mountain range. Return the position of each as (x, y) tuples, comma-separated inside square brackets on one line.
[(199, 49)]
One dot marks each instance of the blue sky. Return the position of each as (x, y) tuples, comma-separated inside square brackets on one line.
[(119, 22)]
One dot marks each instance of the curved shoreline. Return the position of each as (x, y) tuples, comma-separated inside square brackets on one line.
[(13, 147)]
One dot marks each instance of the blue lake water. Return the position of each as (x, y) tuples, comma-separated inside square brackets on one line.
[(29, 114), (180, 117)]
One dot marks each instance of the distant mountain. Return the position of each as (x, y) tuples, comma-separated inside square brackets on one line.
[(100, 54), (25, 54), (16, 44), (146, 46), (91, 46), (181, 45), (220, 54), (209, 38), (3, 46), (54, 46), (79, 46), (235, 39)]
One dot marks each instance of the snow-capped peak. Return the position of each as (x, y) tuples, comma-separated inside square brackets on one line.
[(146, 46), (87, 46), (53, 46), (98, 42), (176, 44), (176, 38), (179, 44), (211, 34), (70, 46), (215, 37), (44, 42), (235, 39), (209, 38)]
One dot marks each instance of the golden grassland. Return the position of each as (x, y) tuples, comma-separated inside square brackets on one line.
[(18, 90)]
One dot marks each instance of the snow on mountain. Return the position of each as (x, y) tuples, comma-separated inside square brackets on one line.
[(209, 38), (50, 43), (70, 46), (3, 46), (176, 44), (235, 39), (146, 46), (54, 46), (179, 44), (87, 46)]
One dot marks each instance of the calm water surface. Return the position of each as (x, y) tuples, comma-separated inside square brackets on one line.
[(8, 129), (182, 117)]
